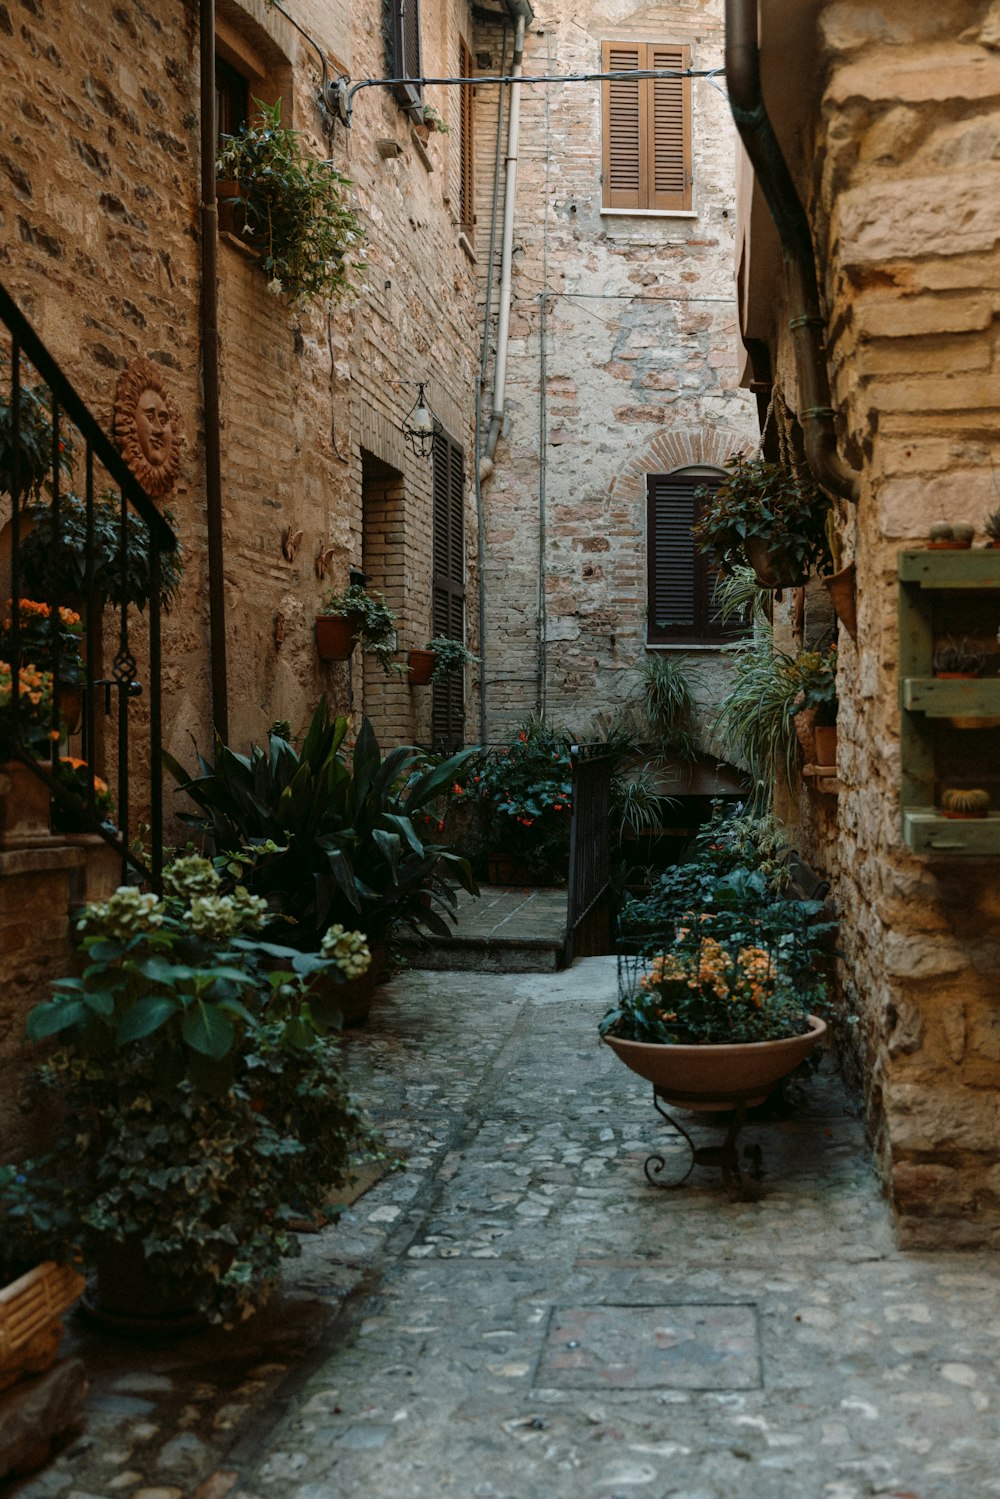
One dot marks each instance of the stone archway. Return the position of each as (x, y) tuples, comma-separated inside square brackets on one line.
[(672, 448)]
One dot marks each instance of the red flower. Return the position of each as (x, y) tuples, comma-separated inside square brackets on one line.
[(458, 790)]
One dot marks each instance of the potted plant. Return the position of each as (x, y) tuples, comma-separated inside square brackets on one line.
[(292, 209), (951, 536), (346, 847), (525, 794), (814, 708), (992, 528), (958, 658), (430, 121), (767, 516), (357, 616), (439, 659), (965, 802), (54, 649), (204, 1095), (722, 993), (25, 735), (54, 564)]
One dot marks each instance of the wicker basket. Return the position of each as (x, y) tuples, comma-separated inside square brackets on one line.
[(31, 1309)]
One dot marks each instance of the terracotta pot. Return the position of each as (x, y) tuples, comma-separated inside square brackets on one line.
[(421, 664), (70, 706), (711, 1078), (770, 573), (805, 729), (25, 804), (31, 1309), (826, 743), (334, 637), (842, 588), (354, 998)]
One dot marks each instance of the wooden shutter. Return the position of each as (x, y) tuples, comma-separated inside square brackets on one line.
[(405, 61), (448, 586), (669, 134), (624, 158), (646, 128), (681, 579), (467, 189)]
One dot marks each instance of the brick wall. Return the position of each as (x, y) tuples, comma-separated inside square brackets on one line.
[(625, 363)]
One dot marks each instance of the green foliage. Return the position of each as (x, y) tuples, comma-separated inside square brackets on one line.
[(296, 210), (760, 499), (326, 837), (433, 120), (33, 452), (35, 640), (525, 790), (814, 674), (373, 623), (992, 525), (451, 656), (38, 1221), (753, 721), (739, 597), (202, 1089), (54, 564), (717, 951)]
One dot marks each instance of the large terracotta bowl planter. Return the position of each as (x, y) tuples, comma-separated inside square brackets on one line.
[(712, 1078)]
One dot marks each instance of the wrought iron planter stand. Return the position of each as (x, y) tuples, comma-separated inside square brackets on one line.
[(741, 1186)]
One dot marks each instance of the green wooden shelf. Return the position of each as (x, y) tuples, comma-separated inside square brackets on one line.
[(940, 697), (928, 831), (947, 594), (973, 567)]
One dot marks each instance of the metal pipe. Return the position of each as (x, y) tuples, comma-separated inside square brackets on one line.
[(209, 215), (507, 244), (806, 322)]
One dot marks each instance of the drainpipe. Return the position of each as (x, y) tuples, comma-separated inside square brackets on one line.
[(209, 215), (806, 322), (523, 14)]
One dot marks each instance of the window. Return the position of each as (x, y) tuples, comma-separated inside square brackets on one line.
[(404, 35), (681, 580), (232, 98), (448, 586), (646, 129), (466, 193)]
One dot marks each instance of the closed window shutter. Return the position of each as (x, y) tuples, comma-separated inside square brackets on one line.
[(669, 136), (405, 63), (624, 160), (681, 579), (646, 128), (467, 201), (448, 586)]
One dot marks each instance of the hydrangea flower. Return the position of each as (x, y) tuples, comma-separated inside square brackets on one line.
[(349, 950), (124, 914)]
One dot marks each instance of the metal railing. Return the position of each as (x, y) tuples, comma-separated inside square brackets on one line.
[(45, 412), (588, 912)]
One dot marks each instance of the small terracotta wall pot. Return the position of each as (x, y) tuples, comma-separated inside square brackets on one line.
[(421, 664), (826, 743), (334, 637), (25, 804), (710, 1078), (842, 588)]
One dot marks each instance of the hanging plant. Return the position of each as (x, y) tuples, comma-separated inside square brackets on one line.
[(767, 516), (294, 209)]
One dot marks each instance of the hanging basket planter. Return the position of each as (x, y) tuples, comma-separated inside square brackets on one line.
[(771, 569), (335, 638)]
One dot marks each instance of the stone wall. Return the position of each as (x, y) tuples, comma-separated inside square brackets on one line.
[(622, 362), (99, 216), (905, 211)]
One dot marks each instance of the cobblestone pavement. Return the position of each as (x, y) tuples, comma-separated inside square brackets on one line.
[(519, 1315)]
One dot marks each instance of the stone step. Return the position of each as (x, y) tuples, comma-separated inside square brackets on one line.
[(486, 954), (505, 929)]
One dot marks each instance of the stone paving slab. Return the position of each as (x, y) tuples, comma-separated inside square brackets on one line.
[(412, 1352), (505, 929)]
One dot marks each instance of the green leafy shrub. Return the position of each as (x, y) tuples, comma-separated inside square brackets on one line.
[(326, 836), (525, 794), (762, 500), (54, 563)]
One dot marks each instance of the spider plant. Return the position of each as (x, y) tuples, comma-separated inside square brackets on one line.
[(739, 597), (753, 720)]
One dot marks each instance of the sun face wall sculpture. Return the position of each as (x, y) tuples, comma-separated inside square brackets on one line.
[(147, 427)]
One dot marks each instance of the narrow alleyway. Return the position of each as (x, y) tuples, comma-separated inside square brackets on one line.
[(519, 1315)]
